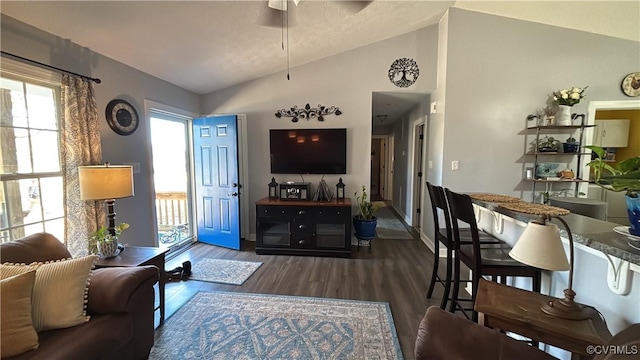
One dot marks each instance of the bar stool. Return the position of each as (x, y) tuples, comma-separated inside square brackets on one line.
[(439, 206), (482, 261)]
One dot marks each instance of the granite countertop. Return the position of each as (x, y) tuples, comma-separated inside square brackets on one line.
[(594, 233)]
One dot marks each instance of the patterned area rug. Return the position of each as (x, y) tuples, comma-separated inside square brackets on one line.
[(232, 272), (224, 325), (389, 227)]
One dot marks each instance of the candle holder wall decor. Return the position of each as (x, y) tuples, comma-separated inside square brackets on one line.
[(308, 112)]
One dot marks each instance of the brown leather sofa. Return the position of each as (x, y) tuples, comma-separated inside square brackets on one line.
[(443, 335), (120, 303)]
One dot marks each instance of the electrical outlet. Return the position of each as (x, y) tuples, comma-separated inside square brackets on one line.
[(455, 165), (430, 164)]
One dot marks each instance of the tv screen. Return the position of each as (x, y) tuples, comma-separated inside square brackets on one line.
[(308, 151)]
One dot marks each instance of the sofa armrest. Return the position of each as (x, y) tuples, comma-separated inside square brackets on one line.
[(111, 289), (443, 335)]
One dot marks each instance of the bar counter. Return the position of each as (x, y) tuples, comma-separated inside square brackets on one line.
[(590, 232)]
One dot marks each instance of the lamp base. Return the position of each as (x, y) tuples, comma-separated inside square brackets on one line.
[(566, 308)]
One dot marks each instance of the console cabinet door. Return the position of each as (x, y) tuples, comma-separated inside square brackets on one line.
[(273, 226), (332, 228)]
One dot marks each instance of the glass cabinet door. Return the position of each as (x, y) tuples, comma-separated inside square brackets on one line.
[(330, 235), (275, 233)]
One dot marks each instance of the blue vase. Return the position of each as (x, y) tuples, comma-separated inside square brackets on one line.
[(365, 229), (633, 208)]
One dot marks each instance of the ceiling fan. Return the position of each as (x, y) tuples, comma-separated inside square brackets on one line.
[(281, 15), (281, 12)]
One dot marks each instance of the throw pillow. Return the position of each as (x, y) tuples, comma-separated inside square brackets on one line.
[(60, 290), (17, 334)]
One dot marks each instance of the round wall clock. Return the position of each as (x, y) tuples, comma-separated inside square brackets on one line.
[(404, 72), (631, 84), (122, 117)]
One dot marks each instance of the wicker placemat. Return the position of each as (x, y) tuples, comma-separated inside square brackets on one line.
[(536, 209), (488, 197)]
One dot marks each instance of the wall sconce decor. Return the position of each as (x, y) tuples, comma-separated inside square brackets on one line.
[(308, 112)]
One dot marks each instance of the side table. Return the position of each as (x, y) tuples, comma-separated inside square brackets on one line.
[(516, 310), (140, 256)]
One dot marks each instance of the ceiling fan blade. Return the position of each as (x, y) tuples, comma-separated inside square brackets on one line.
[(273, 18), (278, 4), (354, 7)]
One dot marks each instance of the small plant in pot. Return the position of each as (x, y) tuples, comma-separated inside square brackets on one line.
[(105, 244), (547, 144), (624, 176), (364, 223), (571, 145)]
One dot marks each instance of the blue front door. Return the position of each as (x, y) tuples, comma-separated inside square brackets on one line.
[(215, 149)]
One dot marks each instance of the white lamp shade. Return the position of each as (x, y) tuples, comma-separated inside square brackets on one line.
[(105, 182), (540, 246)]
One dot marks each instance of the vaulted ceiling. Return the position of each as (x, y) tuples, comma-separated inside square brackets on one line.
[(204, 46)]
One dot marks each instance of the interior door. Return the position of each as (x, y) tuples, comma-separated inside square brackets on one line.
[(215, 144)]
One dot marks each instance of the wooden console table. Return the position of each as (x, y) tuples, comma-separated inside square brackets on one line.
[(300, 227), (515, 310)]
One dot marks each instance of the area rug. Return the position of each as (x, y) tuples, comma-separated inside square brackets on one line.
[(225, 325), (232, 272), (389, 226)]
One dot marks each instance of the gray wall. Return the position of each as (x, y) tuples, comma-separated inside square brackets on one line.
[(118, 81), (492, 72), (345, 80)]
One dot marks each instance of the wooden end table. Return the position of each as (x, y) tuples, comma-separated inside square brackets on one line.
[(516, 310), (133, 256)]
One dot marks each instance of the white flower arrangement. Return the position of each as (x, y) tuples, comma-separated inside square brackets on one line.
[(569, 97)]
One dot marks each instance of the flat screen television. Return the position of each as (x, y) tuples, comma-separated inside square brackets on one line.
[(308, 151)]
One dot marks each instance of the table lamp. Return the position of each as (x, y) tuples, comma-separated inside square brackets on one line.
[(540, 246), (106, 182)]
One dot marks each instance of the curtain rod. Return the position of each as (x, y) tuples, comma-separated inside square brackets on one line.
[(23, 59)]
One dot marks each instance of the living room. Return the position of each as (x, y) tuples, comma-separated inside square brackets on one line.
[(485, 73)]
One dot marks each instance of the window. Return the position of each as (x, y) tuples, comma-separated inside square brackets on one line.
[(31, 188)]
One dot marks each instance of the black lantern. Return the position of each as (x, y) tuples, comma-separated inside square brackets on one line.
[(273, 189), (340, 190)]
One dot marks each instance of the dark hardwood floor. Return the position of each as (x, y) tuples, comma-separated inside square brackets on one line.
[(396, 272)]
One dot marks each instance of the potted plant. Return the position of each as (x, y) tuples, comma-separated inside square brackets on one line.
[(547, 144), (364, 223), (101, 242), (571, 145), (565, 99), (624, 176)]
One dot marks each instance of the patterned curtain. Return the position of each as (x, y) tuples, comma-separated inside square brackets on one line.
[(80, 145)]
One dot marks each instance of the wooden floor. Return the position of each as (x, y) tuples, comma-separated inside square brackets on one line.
[(396, 271)]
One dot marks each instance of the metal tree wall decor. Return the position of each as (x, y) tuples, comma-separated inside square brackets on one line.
[(308, 112), (404, 72)]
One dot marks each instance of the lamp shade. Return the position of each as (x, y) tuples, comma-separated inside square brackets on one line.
[(102, 182), (540, 246)]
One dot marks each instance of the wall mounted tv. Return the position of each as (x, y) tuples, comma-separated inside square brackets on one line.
[(308, 151)]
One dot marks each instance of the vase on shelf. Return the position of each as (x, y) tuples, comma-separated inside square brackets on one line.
[(563, 116)]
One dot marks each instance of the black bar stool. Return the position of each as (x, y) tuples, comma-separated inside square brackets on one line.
[(444, 235), (482, 261)]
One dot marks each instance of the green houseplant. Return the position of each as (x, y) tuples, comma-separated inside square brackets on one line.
[(103, 243), (623, 176), (364, 223)]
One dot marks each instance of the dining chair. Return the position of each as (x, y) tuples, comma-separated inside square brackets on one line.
[(443, 235), (482, 261)]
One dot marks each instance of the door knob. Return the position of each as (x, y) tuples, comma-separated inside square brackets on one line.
[(234, 194)]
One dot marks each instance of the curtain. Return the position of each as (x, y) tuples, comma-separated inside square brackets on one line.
[(80, 145)]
